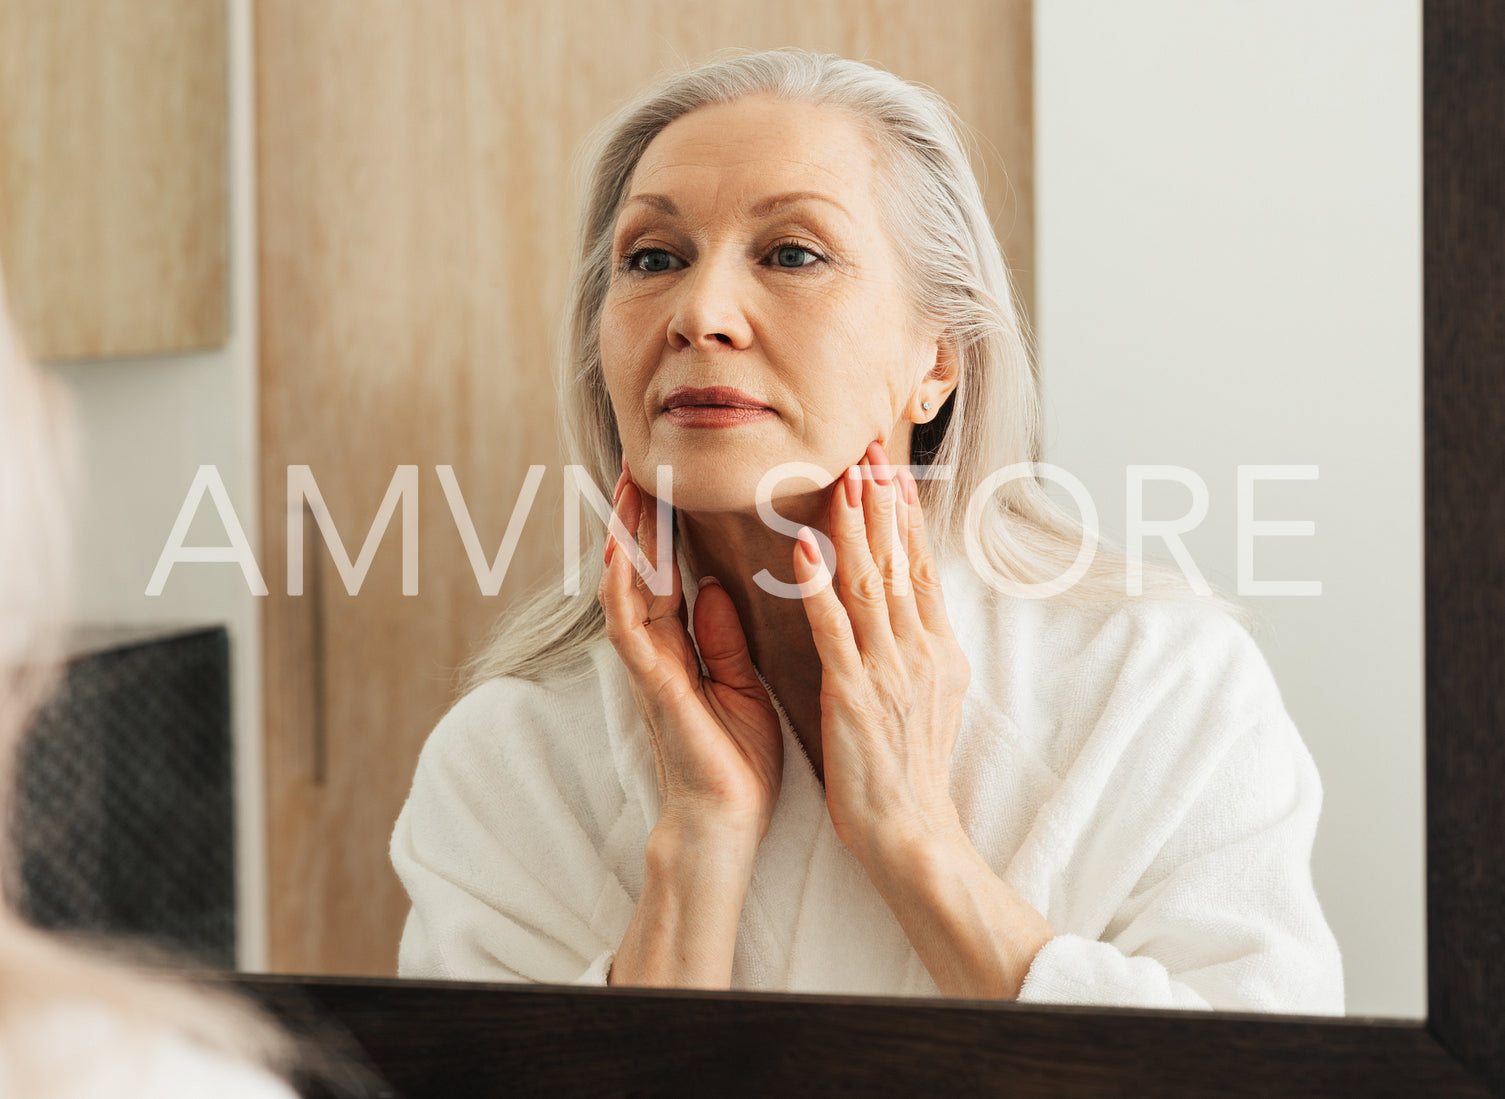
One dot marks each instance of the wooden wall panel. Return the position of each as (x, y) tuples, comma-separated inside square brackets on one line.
[(415, 223), (113, 202)]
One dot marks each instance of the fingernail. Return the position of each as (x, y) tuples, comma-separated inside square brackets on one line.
[(854, 486), (611, 544), (617, 495), (707, 582), (911, 490), (807, 543)]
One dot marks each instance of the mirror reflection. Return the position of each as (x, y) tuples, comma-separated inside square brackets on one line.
[(712, 764), (911, 756)]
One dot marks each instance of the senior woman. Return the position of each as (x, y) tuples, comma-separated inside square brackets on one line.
[(873, 732)]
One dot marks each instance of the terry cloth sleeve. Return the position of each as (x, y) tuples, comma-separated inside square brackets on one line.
[(500, 843), (1224, 916)]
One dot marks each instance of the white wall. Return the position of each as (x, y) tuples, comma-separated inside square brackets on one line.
[(146, 425), (1229, 272)]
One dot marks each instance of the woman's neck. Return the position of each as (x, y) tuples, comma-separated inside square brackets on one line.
[(734, 547)]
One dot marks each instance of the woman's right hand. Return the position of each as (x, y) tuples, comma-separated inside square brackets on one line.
[(717, 745)]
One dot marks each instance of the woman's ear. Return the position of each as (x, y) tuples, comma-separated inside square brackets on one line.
[(939, 382)]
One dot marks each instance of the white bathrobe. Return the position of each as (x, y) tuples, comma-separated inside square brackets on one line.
[(1129, 769)]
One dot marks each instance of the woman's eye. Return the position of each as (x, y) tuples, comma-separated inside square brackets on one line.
[(652, 260), (794, 255)]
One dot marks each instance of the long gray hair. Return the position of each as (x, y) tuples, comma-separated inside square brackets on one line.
[(934, 212)]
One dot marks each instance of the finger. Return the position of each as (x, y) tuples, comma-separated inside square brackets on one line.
[(627, 510), (924, 576), (880, 508), (629, 527), (619, 527), (620, 524), (829, 623), (659, 683), (720, 638), (625, 610), (659, 572), (617, 531), (859, 585)]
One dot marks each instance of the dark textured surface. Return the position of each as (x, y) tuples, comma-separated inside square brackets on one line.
[(431, 1039), (1464, 151), (124, 816)]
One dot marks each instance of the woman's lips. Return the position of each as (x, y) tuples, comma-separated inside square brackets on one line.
[(714, 406), (715, 415)]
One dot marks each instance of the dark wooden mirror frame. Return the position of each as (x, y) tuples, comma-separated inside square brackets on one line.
[(465, 1039)]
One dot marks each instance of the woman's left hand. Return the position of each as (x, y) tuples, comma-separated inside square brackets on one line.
[(893, 673)]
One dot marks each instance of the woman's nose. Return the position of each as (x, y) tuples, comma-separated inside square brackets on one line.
[(710, 309)]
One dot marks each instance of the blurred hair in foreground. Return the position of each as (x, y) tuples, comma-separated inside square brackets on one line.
[(73, 1021)]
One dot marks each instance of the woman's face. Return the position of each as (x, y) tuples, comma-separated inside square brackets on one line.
[(755, 315)]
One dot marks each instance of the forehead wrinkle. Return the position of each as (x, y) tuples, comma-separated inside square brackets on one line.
[(706, 153), (819, 128)]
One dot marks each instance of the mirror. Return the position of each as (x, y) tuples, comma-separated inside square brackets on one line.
[(1222, 278)]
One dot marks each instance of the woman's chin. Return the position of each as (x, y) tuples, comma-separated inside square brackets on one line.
[(709, 499), (708, 482)]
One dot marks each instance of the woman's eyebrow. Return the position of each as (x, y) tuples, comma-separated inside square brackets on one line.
[(775, 203), (662, 203)]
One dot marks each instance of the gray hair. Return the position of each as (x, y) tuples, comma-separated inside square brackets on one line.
[(934, 212)]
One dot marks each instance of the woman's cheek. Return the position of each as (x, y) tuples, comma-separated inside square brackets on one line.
[(627, 410)]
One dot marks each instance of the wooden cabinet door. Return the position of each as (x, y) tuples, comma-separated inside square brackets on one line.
[(113, 175), (415, 223)]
